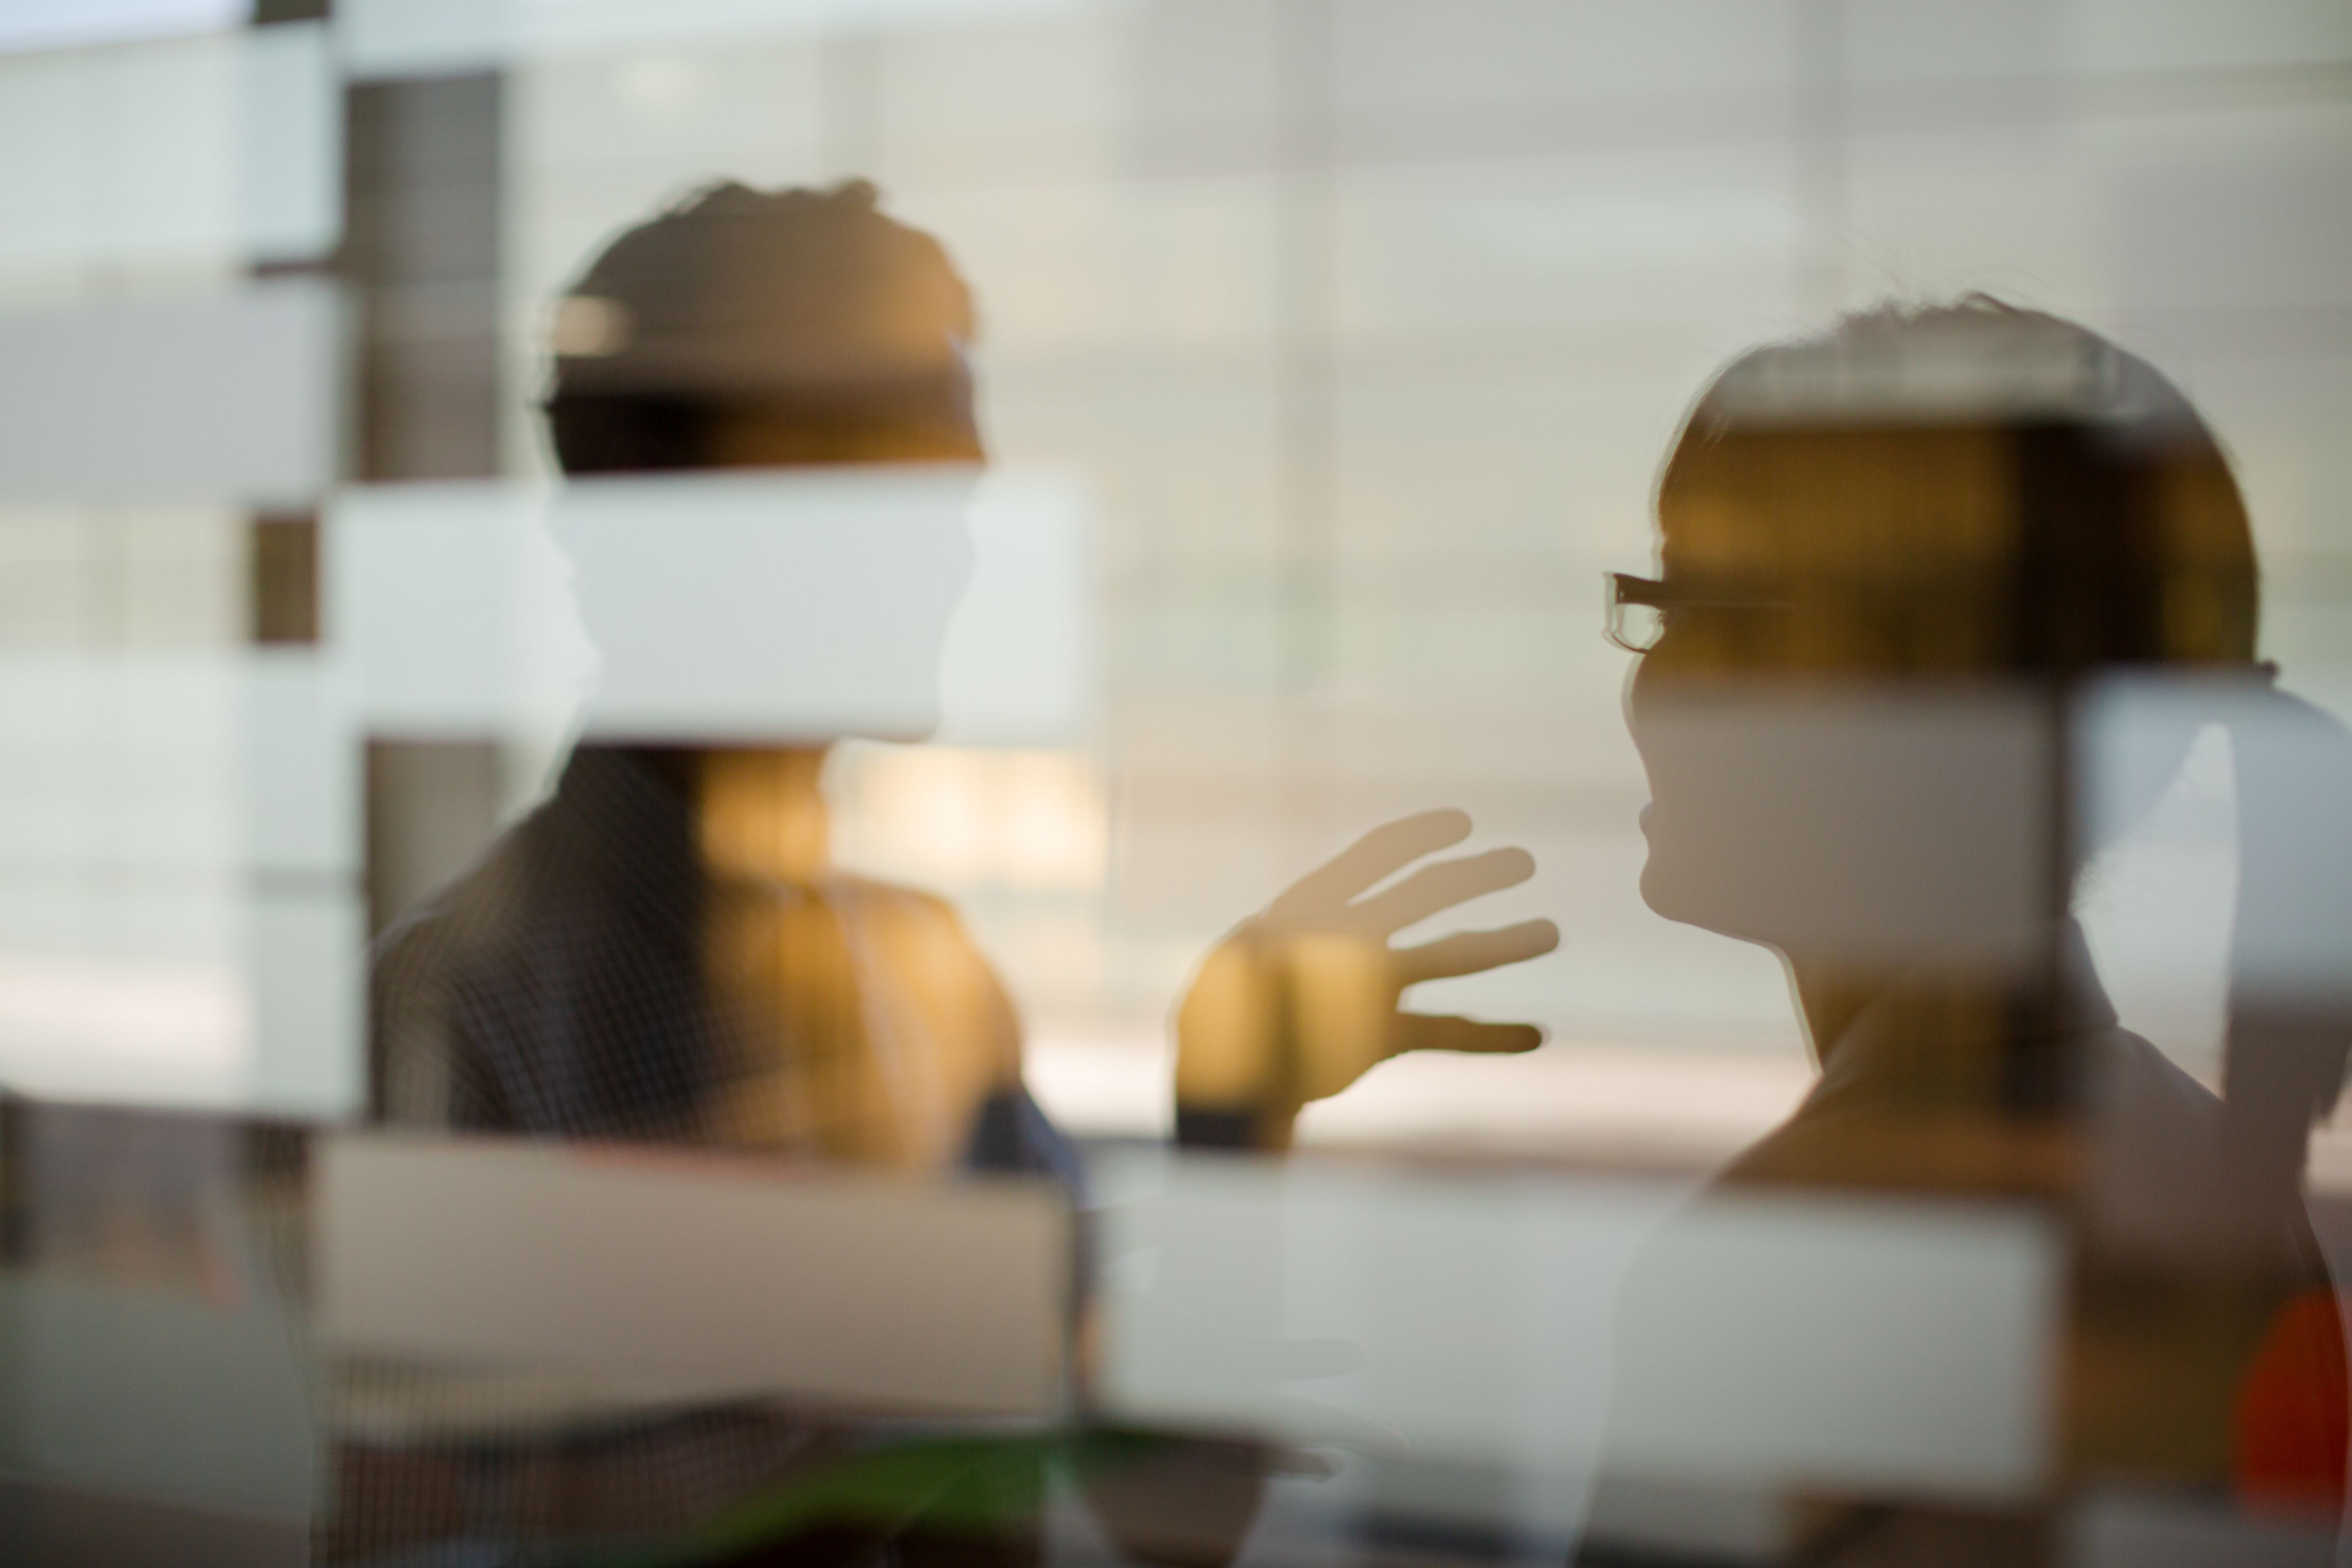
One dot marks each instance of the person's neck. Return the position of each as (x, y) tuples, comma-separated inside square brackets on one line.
[(1921, 1036), (1942, 997), (1829, 998)]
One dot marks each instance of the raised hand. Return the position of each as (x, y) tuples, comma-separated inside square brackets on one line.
[(1297, 1003)]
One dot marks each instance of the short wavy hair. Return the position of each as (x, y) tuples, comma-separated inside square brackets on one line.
[(807, 309), (2071, 508)]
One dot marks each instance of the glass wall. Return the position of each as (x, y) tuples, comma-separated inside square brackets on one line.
[(1571, 772)]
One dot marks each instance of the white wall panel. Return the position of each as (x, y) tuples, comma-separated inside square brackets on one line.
[(739, 607), (1571, 1327), (207, 152), (229, 399), (179, 880)]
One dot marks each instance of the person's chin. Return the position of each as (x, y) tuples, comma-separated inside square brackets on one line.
[(1660, 887), (1673, 893), (1657, 868)]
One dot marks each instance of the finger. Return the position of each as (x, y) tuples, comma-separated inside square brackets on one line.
[(1441, 887), (1436, 1032), (1380, 853), (1473, 951)]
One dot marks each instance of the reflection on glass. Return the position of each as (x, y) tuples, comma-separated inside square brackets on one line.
[(813, 1086)]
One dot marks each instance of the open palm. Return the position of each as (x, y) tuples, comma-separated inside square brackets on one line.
[(1300, 1000)]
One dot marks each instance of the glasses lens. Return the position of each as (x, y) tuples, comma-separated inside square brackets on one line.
[(1632, 626), (1638, 627)]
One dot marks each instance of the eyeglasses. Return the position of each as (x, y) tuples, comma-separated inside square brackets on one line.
[(1638, 607)]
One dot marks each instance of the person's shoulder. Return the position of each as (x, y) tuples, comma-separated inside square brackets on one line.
[(457, 943), (461, 920), (917, 938), (895, 902), (414, 949)]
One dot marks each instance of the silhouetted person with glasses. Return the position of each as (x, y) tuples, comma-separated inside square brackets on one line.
[(1910, 568)]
